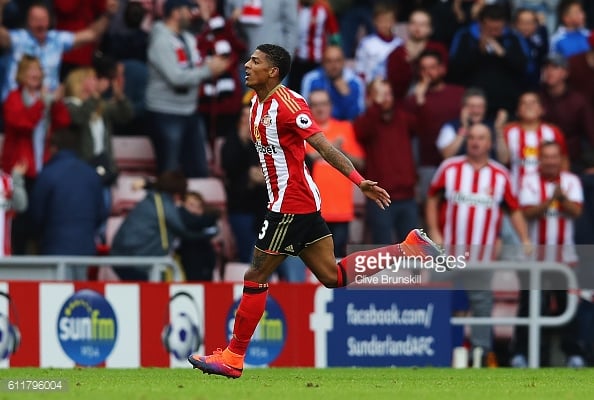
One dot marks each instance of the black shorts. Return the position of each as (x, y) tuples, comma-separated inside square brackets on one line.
[(290, 233)]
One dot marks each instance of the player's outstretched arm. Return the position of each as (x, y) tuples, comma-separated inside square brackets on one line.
[(339, 161)]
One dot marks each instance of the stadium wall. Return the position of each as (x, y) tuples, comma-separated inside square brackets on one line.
[(130, 325)]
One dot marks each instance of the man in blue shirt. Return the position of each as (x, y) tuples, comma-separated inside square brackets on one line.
[(346, 89), (38, 40)]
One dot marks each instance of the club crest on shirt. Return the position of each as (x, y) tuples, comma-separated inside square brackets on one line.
[(267, 120), (303, 121)]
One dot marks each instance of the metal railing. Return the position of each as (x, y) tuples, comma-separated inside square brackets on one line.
[(57, 267), (534, 321)]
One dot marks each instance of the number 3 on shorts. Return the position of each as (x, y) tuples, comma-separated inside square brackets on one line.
[(263, 230)]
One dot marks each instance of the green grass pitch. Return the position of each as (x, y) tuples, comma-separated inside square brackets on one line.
[(318, 384)]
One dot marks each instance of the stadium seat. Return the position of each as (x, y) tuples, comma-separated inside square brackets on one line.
[(124, 197), (234, 271), (134, 154), (212, 189)]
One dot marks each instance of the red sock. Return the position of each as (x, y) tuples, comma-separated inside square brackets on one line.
[(353, 264), (250, 310)]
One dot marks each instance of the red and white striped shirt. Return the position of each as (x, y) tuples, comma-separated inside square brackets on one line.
[(472, 211), (523, 148), (554, 231), (279, 126), (6, 213), (316, 23)]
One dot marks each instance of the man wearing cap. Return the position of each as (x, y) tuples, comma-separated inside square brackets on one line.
[(566, 108), (174, 74)]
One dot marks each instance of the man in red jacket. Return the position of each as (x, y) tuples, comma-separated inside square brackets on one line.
[(384, 131)]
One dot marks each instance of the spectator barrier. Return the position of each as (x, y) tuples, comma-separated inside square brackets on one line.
[(534, 320), (58, 267), (65, 324)]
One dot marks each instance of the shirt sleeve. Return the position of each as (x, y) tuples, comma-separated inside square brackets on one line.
[(16, 37), (447, 134), (66, 39), (302, 122), (574, 190)]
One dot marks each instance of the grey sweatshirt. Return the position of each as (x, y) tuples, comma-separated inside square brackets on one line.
[(173, 74)]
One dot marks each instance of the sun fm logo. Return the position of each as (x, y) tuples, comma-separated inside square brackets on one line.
[(270, 335), (87, 328)]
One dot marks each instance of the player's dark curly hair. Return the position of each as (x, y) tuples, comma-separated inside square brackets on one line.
[(278, 57)]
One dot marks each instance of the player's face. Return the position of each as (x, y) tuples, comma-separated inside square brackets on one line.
[(478, 141), (257, 70), (550, 160), (419, 26), (38, 21), (529, 107)]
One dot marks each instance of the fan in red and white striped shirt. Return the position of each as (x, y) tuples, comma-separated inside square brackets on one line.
[(475, 191), (551, 199), (525, 136)]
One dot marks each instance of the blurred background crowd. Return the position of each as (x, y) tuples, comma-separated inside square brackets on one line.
[(125, 122)]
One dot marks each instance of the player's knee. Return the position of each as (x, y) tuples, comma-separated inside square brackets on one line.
[(254, 275)]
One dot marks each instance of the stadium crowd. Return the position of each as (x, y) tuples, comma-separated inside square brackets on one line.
[(462, 109)]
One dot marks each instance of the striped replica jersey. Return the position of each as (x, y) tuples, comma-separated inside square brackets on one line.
[(472, 211), (279, 126), (523, 148), (6, 213), (554, 231), (316, 23)]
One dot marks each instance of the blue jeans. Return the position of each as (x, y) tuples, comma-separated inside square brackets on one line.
[(242, 225), (180, 144), (401, 216)]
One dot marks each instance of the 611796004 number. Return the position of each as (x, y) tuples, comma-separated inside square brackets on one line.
[(33, 385)]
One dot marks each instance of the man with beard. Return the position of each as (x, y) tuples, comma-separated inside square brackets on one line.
[(172, 90), (433, 103), (402, 64)]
